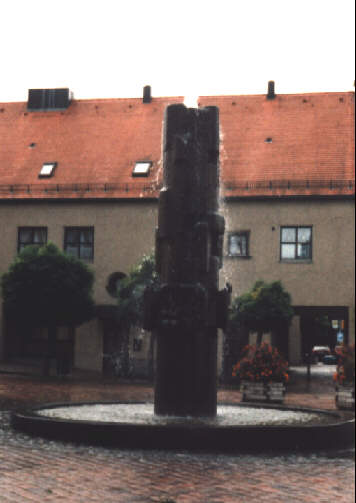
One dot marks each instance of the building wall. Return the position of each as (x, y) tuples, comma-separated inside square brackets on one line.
[(326, 280), (123, 232), (88, 347)]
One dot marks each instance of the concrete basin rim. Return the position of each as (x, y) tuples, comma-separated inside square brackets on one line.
[(341, 417), (189, 437)]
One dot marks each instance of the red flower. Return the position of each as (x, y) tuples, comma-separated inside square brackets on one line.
[(262, 363)]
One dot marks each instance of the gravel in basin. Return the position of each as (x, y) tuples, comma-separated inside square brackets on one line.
[(228, 415)]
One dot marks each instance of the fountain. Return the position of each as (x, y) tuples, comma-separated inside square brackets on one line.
[(187, 309), (185, 312)]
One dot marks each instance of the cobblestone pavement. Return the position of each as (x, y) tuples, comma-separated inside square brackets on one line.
[(37, 470)]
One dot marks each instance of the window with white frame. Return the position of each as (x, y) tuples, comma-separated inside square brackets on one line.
[(296, 243)]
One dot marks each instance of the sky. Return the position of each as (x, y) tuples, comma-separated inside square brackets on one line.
[(111, 49)]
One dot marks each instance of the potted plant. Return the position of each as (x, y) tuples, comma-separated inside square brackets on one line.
[(344, 377), (263, 373)]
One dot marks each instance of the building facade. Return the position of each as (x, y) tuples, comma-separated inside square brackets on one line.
[(308, 244), (85, 175)]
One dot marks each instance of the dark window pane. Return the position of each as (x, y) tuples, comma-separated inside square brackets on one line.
[(31, 236), (71, 236), (238, 244), (289, 235), (296, 243), (39, 236), (79, 241), (25, 235), (304, 234), (86, 252), (304, 250), (86, 236), (234, 245), (72, 250), (288, 251), (243, 245)]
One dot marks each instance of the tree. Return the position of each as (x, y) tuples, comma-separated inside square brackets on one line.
[(131, 289), (47, 288), (130, 295), (265, 308)]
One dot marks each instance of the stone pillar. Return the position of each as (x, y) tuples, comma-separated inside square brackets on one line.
[(295, 342), (186, 310)]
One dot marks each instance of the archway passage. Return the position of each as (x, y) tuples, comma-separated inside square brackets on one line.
[(323, 326)]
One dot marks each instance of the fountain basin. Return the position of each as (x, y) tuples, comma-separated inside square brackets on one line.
[(272, 428)]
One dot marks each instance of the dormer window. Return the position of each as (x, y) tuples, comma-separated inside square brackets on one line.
[(141, 168), (47, 169)]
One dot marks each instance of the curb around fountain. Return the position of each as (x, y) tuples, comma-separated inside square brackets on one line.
[(337, 432)]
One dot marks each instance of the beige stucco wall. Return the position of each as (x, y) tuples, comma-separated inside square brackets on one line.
[(123, 231), (326, 280)]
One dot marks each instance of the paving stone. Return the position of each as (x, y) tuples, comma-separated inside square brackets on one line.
[(37, 470)]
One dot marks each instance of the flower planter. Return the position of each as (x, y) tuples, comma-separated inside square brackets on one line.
[(345, 396), (262, 392)]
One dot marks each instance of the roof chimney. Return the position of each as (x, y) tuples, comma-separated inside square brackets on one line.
[(271, 94), (48, 99), (147, 98)]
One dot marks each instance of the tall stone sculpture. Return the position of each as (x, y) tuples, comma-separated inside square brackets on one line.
[(187, 308)]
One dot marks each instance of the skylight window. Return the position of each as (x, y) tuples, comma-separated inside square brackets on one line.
[(142, 168), (47, 169)]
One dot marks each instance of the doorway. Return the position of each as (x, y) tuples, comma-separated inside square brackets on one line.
[(322, 326)]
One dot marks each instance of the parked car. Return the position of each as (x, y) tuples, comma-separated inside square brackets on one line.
[(330, 359), (333, 358), (318, 352)]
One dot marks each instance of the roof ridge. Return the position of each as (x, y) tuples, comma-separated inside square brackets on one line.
[(178, 97), (319, 93)]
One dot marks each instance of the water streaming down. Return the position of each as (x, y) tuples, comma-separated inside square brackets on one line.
[(226, 274)]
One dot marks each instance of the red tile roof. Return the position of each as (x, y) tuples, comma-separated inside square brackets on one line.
[(290, 145)]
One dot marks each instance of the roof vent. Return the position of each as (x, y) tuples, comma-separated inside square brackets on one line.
[(271, 94), (147, 98), (48, 99)]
